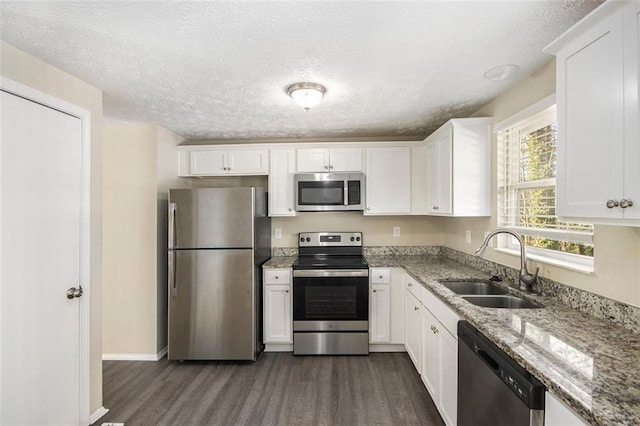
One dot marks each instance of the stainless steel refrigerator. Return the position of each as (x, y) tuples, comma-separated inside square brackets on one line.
[(218, 240)]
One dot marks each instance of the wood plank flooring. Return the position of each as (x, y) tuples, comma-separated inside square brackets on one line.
[(278, 389)]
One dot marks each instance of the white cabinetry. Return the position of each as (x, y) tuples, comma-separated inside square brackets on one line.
[(598, 178), (388, 174), (432, 345), (312, 160), (556, 413), (281, 195), (412, 325), (222, 161), (277, 307), (459, 168), (386, 322)]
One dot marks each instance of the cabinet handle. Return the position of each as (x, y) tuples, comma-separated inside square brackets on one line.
[(434, 329), (415, 308), (624, 203), (368, 208), (375, 291), (330, 167), (410, 284), (326, 167), (436, 207), (612, 203), (289, 208), (286, 291), (380, 276), (277, 278)]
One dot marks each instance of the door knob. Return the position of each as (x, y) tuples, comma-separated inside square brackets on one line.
[(611, 204), (73, 292), (624, 203)]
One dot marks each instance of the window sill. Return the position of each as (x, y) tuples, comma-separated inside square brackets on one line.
[(584, 268)]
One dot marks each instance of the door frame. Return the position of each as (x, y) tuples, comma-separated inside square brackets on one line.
[(84, 116)]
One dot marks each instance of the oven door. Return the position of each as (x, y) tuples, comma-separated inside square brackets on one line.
[(331, 300)]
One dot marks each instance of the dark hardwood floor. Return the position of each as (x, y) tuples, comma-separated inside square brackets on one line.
[(278, 389)]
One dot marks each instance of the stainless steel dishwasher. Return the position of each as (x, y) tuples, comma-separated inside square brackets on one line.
[(492, 388)]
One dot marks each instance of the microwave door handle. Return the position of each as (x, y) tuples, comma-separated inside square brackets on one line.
[(346, 192)]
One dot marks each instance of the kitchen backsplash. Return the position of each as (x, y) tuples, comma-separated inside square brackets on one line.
[(610, 310)]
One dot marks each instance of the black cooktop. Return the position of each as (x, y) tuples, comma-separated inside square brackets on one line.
[(330, 262)]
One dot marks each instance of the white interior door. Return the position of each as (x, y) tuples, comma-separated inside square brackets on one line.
[(40, 221)]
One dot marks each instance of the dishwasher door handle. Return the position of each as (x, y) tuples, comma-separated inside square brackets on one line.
[(487, 359)]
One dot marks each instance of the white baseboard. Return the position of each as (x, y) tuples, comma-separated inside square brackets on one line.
[(278, 347), (97, 415), (385, 347), (135, 357)]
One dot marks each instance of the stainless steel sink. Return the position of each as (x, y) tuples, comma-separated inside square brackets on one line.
[(473, 287), (504, 301)]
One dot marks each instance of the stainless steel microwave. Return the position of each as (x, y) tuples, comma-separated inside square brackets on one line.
[(316, 192)]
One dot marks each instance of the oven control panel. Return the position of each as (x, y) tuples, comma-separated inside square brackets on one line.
[(323, 239)]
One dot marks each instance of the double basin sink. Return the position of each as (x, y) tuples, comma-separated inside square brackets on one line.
[(488, 295)]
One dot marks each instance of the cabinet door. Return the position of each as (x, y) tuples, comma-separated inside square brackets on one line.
[(412, 329), (277, 313), (248, 162), (388, 180), (281, 195), (313, 160), (557, 413), (439, 160), (345, 160), (380, 326), (448, 376), (430, 354), (590, 96), (632, 109), (207, 163)]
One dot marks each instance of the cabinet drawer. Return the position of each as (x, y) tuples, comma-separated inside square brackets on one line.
[(380, 276), (277, 276), (442, 312)]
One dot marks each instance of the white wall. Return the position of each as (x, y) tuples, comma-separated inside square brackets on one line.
[(30, 71), (617, 249)]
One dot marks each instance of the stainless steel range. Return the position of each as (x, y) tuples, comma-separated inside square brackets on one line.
[(330, 295)]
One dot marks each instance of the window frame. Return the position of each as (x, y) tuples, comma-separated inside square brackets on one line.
[(508, 244)]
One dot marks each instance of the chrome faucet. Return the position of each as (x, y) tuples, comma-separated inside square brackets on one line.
[(526, 279)]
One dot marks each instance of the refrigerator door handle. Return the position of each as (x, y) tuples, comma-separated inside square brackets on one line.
[(172, 252)]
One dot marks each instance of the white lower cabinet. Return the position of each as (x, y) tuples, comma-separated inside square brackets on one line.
[(277, 306), (556, 413), (433, 347), (386, 319)]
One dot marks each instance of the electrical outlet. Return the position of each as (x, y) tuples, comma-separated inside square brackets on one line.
[(396, 231), (277, 233), (467, 236)]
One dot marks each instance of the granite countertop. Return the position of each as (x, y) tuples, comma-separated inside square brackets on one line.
[(590, 364), (279, 262)]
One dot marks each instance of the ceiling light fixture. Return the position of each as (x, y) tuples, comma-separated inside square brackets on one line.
[(307, 95), (502, 72)]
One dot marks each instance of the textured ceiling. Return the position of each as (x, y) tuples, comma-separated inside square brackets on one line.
[(218, 70)]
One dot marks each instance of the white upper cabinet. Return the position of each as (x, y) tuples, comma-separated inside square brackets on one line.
[(459, 168), (221, 161), (388, 175), (598, 175), (281, 171), (314, 160)]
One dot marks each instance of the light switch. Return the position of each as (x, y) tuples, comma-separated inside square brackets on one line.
[(467, 236), (277, 233), (396, 231)]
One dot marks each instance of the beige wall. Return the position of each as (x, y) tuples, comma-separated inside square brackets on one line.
[(23, 68), (140, 165), (378, 230), (617, 249), (130, 239)]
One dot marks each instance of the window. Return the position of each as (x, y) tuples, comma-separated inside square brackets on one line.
[(527, 188)]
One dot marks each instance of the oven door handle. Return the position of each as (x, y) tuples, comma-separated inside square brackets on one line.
[(331, 273)]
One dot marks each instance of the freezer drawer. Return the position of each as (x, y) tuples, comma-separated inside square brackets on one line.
[(212, 305)]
